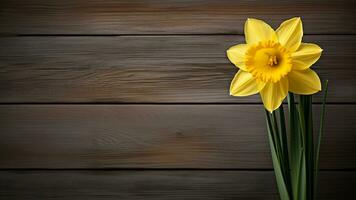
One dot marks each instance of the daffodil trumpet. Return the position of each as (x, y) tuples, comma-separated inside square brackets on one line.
[(276, 64)]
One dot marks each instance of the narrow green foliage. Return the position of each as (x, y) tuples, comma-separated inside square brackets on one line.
[(280, 178), (295, 156), (284, 147), (296, 149), (301, 192), (305, 109), (275, 134), (320, 134)]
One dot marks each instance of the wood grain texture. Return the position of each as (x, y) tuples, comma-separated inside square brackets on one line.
[(170, 17), (173, 185), (146, 69), (156, 136)]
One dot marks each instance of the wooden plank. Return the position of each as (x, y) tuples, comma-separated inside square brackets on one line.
[(155, 136), (175, 185), (146, 69), (170, 17)]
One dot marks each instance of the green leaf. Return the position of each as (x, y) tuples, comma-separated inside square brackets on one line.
[(296, 149), (306, 123), (320, 134), (275, 134), (301, 189), (280, 178), (284, 147)]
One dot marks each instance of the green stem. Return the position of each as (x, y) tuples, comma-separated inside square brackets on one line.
[(305, 109)]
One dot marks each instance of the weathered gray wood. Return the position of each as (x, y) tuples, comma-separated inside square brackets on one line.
[(169, 17), (146, 69), (172, 185), (156, 136)]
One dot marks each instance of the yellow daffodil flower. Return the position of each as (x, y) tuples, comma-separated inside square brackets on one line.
[(274, 62)]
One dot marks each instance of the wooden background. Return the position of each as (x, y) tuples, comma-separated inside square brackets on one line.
[(129, 99)]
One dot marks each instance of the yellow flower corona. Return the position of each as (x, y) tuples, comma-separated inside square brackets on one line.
[(274, 62)]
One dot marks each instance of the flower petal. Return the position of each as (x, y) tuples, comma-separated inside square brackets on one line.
[(236, 55), (304, 82), (306, 56), (257, 30), (273, 94), (290, 33), (243, 84)]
